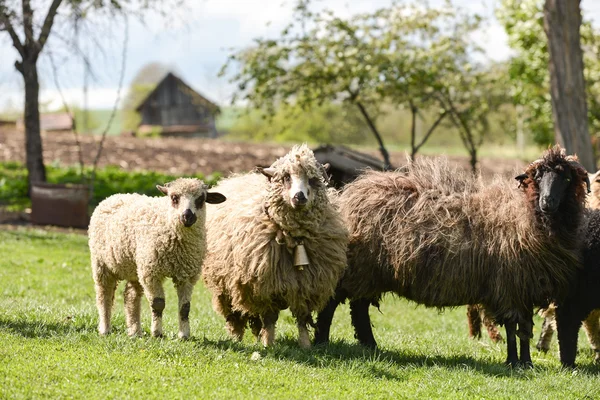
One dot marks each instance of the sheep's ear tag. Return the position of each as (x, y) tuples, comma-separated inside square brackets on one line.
[(300, 257)]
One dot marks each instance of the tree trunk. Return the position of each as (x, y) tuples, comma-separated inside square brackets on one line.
[(384, 153), (562, 21), (33, 138)]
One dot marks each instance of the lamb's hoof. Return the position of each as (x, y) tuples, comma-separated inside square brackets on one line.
[(542, 348), (158, 335), (183, 336), (103, 332)]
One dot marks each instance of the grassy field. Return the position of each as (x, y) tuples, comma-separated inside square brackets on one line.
[(49, 346)]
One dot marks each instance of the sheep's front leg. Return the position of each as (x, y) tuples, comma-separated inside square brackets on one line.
[(155, 294), (133, 298), (184, 294), (267, 333), (303, 336), (525, 334), (359, 313), (106, 284), (325, 318), (591, 325), (512, 358)]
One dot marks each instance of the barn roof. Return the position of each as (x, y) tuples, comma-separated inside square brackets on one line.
[(197, 98), (346, 159)]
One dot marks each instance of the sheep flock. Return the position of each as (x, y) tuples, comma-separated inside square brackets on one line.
[(281, 238)]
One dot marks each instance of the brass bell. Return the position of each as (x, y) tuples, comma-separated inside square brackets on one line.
[(300, 257)]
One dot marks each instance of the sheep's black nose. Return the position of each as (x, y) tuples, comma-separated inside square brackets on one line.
[(548, 204), (188, 218)]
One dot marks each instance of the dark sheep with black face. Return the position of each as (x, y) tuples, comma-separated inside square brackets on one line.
[(438, 237), (585, 296)]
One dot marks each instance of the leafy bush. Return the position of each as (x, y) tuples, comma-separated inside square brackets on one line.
[(109, 180)]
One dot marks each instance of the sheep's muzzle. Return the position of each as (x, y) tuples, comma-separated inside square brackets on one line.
[(188, 218)]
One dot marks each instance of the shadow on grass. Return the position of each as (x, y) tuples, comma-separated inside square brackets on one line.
[(377, 362), (37, 329)]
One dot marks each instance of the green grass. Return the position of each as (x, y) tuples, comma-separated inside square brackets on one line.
[(109, 180), (49, 347)]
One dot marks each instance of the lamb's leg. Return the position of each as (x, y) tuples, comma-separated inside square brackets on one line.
[(267, 333), (132, 298), (155, 294), (490, 325), (512, 358), (325, 318), (106, 285), (543, 343), (184, 294), (359, 312), (474, 321), (525, 334), (591, 325)]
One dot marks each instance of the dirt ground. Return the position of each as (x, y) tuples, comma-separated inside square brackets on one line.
[(181, 156)]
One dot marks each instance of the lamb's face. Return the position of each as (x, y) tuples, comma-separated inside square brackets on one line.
[(188, 197)]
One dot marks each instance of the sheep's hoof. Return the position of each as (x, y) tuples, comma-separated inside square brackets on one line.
[(183, 336), (157, 334), (513, 364), (526, 365), (304, 342)]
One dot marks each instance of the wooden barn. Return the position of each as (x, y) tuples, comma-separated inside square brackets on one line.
[(175, 109)]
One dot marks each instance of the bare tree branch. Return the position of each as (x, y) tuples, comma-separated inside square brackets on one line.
[(7, 25), (48, 21)]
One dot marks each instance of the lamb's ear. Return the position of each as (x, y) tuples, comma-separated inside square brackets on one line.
[(215, 198), (268, 172), (521, 178), (163, 189)]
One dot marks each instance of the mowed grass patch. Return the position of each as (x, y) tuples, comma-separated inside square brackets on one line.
[(49, 346)]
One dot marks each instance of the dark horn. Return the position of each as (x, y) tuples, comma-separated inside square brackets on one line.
[(576, 164)]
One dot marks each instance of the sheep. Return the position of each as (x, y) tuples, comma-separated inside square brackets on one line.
[(438, 237), (144, 240), (277, 243), (583, 303), (591, 324)]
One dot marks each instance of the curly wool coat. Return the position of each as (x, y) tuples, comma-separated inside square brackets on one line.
[(249, 267)]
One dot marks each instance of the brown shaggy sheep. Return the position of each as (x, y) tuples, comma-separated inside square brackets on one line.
[(440, 238)]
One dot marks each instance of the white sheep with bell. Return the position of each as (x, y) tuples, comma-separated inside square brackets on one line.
[(145, 240), (277, 242)]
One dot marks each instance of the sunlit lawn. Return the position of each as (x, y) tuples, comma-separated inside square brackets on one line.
[(49, 346)]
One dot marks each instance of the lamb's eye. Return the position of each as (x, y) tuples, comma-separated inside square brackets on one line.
[(200, 202), (287, 178), (175, 199)]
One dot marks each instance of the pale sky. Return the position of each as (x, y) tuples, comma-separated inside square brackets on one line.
[(197, 45)]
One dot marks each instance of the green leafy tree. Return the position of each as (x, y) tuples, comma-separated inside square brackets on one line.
[(529, 73), (398, 54)]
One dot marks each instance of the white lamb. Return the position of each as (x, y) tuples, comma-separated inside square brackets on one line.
[(144, 240)]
